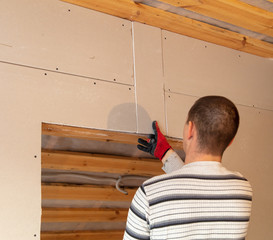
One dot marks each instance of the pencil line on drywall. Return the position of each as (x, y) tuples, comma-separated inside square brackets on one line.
[(238, 104)]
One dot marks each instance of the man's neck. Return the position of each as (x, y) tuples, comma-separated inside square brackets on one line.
[(202, 157)]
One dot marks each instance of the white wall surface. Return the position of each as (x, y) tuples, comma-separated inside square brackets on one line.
[(148, 76), (56, 36), (64, 64), (196, 68)]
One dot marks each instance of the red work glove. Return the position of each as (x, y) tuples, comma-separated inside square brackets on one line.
[(156, 145)]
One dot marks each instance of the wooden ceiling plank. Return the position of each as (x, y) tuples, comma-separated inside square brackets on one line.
[(97, 235), (232, 11), (99, 135), (61, 160), (85, 192), (83, 215), (178, 24)]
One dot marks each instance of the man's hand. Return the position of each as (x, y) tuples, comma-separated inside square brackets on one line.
[(156, 145)]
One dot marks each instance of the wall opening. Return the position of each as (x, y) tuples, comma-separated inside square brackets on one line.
[(89, 178)]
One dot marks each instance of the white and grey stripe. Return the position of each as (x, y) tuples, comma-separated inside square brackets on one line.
[(202, 200)]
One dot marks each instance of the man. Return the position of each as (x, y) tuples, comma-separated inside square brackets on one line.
[(202, 199)]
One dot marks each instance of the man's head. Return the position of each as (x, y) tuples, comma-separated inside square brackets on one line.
[(216, 120)]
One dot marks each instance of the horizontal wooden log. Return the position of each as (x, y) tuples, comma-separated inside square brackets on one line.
[(130, 10), (234, 12), (83, 215), (100, 163), (85, 192), (99, 135), (94, 235)]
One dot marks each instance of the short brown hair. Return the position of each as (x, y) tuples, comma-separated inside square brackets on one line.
[(217, 120)]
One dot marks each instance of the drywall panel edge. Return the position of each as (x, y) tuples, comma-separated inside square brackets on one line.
[(148, 77), (62, 37), (29, 97), (198, 68), (177, 107)]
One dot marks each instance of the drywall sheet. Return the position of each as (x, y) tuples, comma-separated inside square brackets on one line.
[(198, 68), (250, 154), (177, 107), (62, 37), (148, 77), (29, 97), (61, 98)]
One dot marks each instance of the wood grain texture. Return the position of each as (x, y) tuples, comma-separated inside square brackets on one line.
[(84, 215), (85, 192), (232, 11), (61, 160), (178, 24), (99, 135), (96, 235)]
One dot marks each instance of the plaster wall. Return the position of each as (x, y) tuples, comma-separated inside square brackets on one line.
[(64, 64)]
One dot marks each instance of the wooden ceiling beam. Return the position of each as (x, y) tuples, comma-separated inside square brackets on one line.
[(97, 235), (61, 160), (85, 192), (130, 10), (99, 135), (83, 215), (231, 11)]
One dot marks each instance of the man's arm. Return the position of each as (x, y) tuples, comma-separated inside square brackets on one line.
[(171, 161), (137, 226)]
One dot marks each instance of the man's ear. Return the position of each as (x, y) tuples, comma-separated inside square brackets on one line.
[(191, 129)]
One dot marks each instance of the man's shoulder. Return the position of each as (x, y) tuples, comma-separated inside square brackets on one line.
[(196, 172), (160, 178), (180, 173)]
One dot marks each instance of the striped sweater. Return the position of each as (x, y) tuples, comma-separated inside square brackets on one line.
[(202, 200)]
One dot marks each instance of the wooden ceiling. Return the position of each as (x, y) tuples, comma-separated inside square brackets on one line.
[(245, 25)]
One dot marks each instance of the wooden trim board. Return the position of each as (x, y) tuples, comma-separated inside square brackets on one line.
[(96, 235), (84, 215), (99, 135), (132, 11), (61, 160), (85, 192)]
